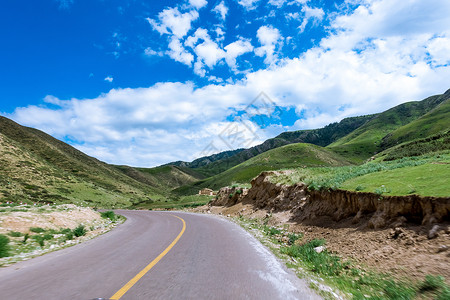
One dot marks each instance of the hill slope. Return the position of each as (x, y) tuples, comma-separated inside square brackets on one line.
[(367, 139), (320, 137), (288, 156), (38, 167)]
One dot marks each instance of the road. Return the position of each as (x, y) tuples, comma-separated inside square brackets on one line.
[(197, 257)]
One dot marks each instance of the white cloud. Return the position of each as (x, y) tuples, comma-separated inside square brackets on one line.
[(235, 50), (172, 21), (178, 53), (209, 53), (277, 3), (314, 14), (198, 3), (248, 4), (150, 52), (221, 10), (109, 79), (269, 39)]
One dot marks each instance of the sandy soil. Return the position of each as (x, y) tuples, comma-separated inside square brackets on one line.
[(404, 251)]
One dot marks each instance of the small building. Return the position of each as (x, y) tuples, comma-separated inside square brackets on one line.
[(207, 192)]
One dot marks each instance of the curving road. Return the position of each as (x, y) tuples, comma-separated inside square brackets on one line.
[(177, 256)]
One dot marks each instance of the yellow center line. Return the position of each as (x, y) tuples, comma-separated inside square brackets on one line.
[(136, 278)]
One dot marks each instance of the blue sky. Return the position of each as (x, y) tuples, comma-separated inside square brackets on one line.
[(148, 82)]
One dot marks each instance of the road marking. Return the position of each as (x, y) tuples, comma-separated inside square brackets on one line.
[(136, 278)]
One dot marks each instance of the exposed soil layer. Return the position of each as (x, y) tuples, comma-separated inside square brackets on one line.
[(408, 236)]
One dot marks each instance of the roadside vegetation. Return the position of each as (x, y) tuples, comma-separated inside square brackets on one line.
[(424, 175), (19, 241), (331, 276)]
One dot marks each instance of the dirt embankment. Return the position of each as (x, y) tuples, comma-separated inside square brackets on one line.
[(408, 236), (306, 205)]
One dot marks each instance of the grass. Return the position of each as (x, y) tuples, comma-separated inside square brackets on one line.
[(109, 215), (354, 281), (4, 246), (424, 175)]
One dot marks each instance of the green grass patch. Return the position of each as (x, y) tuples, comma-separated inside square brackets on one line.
[(37, 229), (80, 230), (109, 215), (4, 246), (424, 175)]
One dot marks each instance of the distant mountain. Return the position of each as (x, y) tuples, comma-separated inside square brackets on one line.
[(377, 134), (284, 157), (320, 137)]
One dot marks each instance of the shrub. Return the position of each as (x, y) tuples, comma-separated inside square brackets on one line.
[(109, 215), (15, 234), (431, 283), (40, 240), (294, 237), (37, 229), (4, 246), (79, 231)]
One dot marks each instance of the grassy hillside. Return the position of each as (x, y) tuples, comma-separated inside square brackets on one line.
[(425, 175), (289, 156), (320, 137), (35, 167), (164, 178), (433, 122), (366, 141)]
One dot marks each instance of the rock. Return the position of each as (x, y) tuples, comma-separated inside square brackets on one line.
[(320, 249), (442, 248), (396, 232), (434, 232), (447, 230), (228, 215)]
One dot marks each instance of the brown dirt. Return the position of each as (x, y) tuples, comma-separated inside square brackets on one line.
[(65, 216)]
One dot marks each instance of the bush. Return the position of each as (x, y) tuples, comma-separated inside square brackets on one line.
[(40, 240), (4, 246), (431, 283), (109, 215), (15, 234), (79, 231), (37, 229)]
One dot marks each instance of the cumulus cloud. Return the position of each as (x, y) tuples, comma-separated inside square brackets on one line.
[(172, 21), (235, 50), (221, 10), (269, 39), (248, 4), (178, 53), (198, 3)]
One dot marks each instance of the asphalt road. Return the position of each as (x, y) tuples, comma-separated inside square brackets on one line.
[(204, 257)]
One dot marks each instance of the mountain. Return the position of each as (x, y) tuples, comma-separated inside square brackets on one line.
[(35, 167), (366, 141), (284, 157), (320, 137)]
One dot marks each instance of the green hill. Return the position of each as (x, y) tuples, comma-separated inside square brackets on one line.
[(373, 136), (35, 167), (322, 137), (433, 122), (288, 156)]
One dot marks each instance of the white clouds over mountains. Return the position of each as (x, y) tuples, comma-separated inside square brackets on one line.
[(380, 54)]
